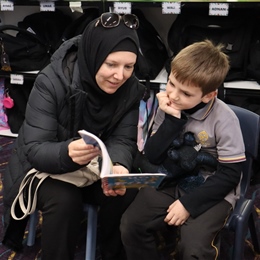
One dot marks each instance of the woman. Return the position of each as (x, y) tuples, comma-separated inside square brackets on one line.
[(89, 85)]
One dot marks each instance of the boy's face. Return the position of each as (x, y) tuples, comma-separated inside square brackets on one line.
[(184, 96)]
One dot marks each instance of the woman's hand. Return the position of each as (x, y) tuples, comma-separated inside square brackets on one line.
[(117, 169), (82, 153)]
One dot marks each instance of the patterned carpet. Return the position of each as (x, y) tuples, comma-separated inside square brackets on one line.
[(32, 253)]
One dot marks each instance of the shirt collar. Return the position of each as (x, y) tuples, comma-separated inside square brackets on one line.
[(200, 111)]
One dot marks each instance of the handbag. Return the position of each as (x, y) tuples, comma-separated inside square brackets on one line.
[(15, 109), (81, 178)]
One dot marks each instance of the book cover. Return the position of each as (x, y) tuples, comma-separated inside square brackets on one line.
[(135, 180), (131, 180)]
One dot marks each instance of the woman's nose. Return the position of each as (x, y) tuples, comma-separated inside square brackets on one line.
[(119, 73)]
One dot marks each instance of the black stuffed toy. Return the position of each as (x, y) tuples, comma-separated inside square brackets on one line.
[(185, 157)]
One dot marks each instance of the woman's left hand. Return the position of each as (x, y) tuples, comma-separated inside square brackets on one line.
[(117, 169)]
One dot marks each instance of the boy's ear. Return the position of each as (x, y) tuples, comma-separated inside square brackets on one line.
[(209, 96)]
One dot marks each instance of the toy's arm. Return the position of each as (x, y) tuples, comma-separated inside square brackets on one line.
[(207, 159)]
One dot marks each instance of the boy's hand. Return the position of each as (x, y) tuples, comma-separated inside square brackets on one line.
[(177, 214), (119, 169), (166, 105)]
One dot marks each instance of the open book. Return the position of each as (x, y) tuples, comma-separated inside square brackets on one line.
[(131, 180)]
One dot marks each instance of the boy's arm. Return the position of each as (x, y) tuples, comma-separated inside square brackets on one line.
[(157, 145), (209, 194)]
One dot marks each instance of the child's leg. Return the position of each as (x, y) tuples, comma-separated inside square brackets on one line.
[(199, 236), (141, 220)]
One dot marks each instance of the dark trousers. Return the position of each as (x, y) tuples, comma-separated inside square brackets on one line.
[(145, 216), (61, 206)]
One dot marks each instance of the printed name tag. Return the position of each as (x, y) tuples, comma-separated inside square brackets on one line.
[(17, 79), (218, 9), (122, 7), (7, 6), (171, 8), (47, 6)]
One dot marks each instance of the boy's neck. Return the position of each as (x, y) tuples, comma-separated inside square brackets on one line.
[(195, 109)]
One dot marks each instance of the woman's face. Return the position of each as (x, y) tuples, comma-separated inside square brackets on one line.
[(116, 69)]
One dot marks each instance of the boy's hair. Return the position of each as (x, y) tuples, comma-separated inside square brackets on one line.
[(201, 64)]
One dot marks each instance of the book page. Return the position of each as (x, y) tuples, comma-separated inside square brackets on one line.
[(116, 181), (107, 166)]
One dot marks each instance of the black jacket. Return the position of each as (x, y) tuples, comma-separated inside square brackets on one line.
[(53, 117)]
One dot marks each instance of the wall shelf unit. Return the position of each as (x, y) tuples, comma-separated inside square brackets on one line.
[(153, 12)]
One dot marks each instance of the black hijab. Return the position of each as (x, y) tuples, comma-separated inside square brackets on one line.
[(96, 44)]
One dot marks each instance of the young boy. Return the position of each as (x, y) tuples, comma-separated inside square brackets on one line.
[(197, 204)]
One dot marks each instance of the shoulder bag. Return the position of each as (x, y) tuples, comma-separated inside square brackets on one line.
[(81, 178)]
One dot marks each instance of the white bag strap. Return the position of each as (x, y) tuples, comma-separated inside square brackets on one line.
[(31, 204)]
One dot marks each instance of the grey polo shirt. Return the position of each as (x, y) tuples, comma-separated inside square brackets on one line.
[(217, 129)]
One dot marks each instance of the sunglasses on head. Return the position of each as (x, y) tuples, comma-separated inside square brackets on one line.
[(111, 20)]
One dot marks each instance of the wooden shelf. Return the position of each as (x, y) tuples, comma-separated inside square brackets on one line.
[(244, 85)]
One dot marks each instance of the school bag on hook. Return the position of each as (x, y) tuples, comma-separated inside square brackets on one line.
[(253, 69), (153, 50), (29, 46), (47, 26), (19, 95), (78, 25), (21, 50), (233, 31)]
